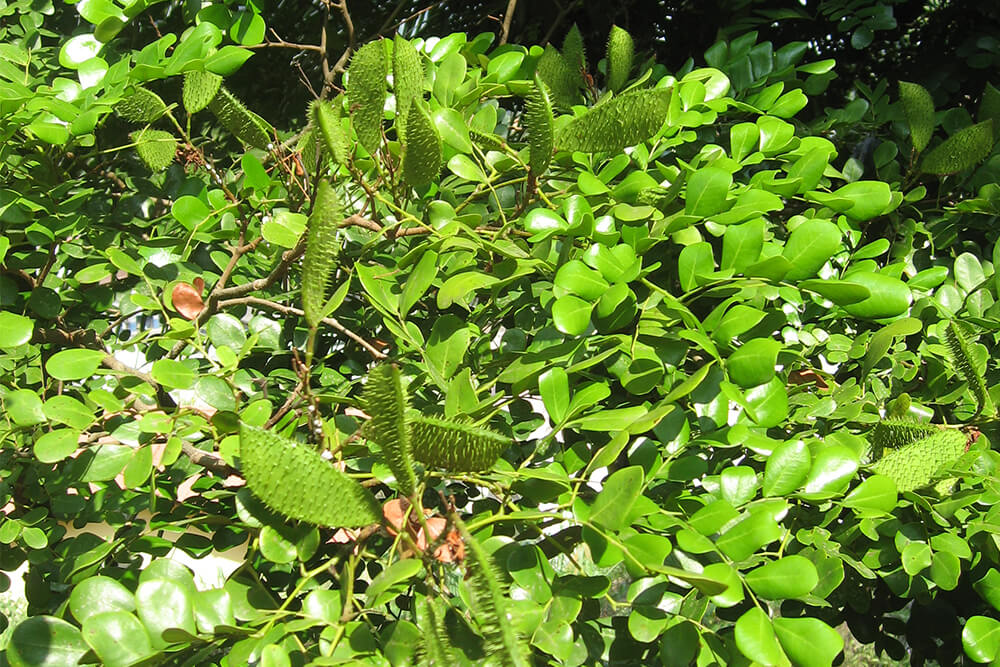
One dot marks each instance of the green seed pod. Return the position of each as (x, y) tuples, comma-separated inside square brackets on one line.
[(895, 433), (624, 120), (620, 53), (407, 79), (435, 648), (913, 466), (321, 251), (326, 115), (142, 106), (155, 147), (366, 93), (200, 88), (310, 147), (918, 107), (455, 446), (489, 605), (421, 147), (574, 54), (487, 140), (385, 400), (247, 126), (296, 481), (538, 121), (964, 362), (962, 150), (558, 75)]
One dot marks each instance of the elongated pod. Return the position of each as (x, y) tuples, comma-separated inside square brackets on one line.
[(199, 89), (913, 466), (624, 120), (384, 399), (620, 54), (156, 148), (538, 121), (321, 251), (326, 116), (407, 79), (960, 348), (454, 445), (247, 126), (366, 93), (421, 147)]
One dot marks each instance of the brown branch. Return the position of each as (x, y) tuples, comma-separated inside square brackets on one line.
[(505, 28), (296, 312), (282, 44), (341, 64), (207, 460)]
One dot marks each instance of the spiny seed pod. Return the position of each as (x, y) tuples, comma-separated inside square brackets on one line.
[(310, 147), (625, 120), (366, 93), (142, 106), (559, 76), (620, 53), (574, 54), (962, 150), (455, 446), (435, 648), (321, 251), (487, 140), (960, 348), (245, 125), (407, 79), (538, 121), (894, 433), (326, 115), (421, 147), (385, 400), (913, 466), (918, 107), (155, 147), (296, 481), (489, 605), (200, 88)]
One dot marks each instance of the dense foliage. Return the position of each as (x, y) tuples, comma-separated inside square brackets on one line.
[(529, 355)]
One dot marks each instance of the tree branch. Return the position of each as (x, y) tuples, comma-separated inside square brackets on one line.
[(505, 28)]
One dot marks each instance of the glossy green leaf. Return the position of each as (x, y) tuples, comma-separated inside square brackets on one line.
[(808, 642), (788, 577), (877, 495), (811, 245), (889, 296), (756, 640), (981, 638), (831, 472), (173, 374), (553, 385), (753, 363), (45, 641), (56, 445), (575, 277), (571, 315), (14, 329), (117, 637), (74, 364), (162, 606), (706, 191), (616, 498)]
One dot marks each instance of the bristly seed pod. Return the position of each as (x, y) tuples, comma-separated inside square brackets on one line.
[(200, 88), (960, 348), (247, 126), (895, 433), (913, 466), (296, 481), (326, 115), (407, 79), (321, 252), (385, 400), (455, 446), (421, 147), (620, 53), (155, 147), (624, 120), (366, 93), (538, 121), (142, 106)]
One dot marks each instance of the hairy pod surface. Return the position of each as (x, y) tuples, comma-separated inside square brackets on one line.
[(918, 107), (384, 399), (538, 121), (407, 79), (199, 89), (960, 348), (574, 54), (436, 647), (156, 148), (421, 147), (142, 106), (296, 481), (894, 433), (455, 446), (245, 125), (321, 251), (962, 150), (913, 466), (366, 93), (625, 120), (559, 76), (620, 54), (326, 115)]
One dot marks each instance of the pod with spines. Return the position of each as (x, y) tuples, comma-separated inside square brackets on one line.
[(960, 348), (624, 120), (321, 251), (487, 140), (895, 433), (559, 76), (574, 54), (384, 399), (489, 604), (366, 93), (326, 116), (620, 54), (538, 121), (156, 148), (142, 106), (963, 150), (918, 107), (294, 479), (245, 125), (421, 146), (913, 466), (435, 647), (407, 79), (309, 146), (199, 89), (454, 445)]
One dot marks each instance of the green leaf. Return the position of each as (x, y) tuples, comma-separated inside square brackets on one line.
[(453, 128), (462, 166), (832, 470), (988, 588), (447, 344), (889, 297), (389, 582), (173, 374), (56, 445), (749, 535), (553, 385), (863, 200), (882, 340), (875, 496), (981, 638), (915, 557), (118, 638), (45, 641), (743, 138), (808, 642), (575, 277), (811, 245), (753, 363), (706, 191), (571, 315), (840, 292), (788, 577), (962, 150), (24, 407), (918, 107), (70, 365), (756, 640), (165, 605), (616, 498)]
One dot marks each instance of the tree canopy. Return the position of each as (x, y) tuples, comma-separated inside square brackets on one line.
[(549, 340)]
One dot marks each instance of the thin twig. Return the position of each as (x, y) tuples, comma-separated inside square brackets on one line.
[(505, 29), (282, 44)]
